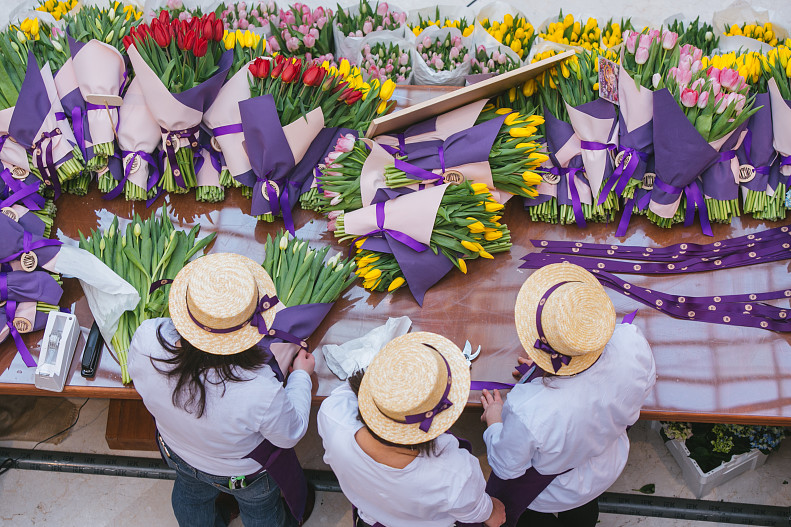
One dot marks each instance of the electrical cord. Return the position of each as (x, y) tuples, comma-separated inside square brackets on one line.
[(9, 463)]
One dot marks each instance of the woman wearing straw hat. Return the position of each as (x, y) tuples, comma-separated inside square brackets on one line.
[(383, 435), (225, 423), (560, 441)]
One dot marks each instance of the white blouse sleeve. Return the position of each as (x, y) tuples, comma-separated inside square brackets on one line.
[(471, 504), (286, 420), (509, 446)]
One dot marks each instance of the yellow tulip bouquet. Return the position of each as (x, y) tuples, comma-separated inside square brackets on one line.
[(462, 24), (572, 32), (516, 32), (246, 46), (761, 32)]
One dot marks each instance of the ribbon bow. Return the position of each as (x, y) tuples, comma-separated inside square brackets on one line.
[(153, 177), (256, 319), (748, 145), (18, 191), (558, 359), (426, 418), (623, 173), (170, 149), (29, 245), (576, 203), (396, 235), (694, 197), (45, 162), (421, 173)]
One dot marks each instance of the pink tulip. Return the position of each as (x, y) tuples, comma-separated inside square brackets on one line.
[(729, 78), (319, 12), (333, 214), (719, 103), (713, 73), (345, 143), (631, 41), (655, 34), (254, 13), (502, 58), (426, 42), (645, 40), (404, 60), (669, 39), (288, 17), (321, 21), (292, 44), (689, 98), (273, 44), (309, 41), (696, 66), (641, 55), (303, 8), (456, 41), (715, 88), (242, 6), (698, 84), (234, 26), (367, 27), (438, 64), (382, 9), (741, 101), (454, 53), (490, 64), (697, 54), (183, 15), (389, 68), (685, 63), (308, 19), (703, 100), (466, 58), (244, 24)]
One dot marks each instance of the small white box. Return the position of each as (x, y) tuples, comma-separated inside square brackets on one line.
[(57, 351), (701, 483)]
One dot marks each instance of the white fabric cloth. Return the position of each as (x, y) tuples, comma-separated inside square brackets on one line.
[(234, 422), (576, 423), (432, 491)]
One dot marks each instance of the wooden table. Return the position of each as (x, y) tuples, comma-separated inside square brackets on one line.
[(706, 372)]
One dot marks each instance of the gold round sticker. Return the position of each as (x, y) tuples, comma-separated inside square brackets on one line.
[(11, 213), (132, 161), (29, 261), (22, 325), (746, 173), (648, 181), (552, 179), (454, 177), (272, 184), (175, 142), (215, 144), (622, 159), (19, 173), (102, 169)]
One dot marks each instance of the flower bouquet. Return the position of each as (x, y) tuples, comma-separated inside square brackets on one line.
[(442, 57), (566, 30), (253, 17), (51, 43), (148, 253), (182, 66), (307, 286), (20, 202), (698, 34), (495, 62), (209, 168), (760, 32), (382, 59), (105, 24), (442, 17), (354, 23), (515, 32), (614, 32), (301, 32), (57, 8), (246, 46), (418, 237), (780, 103)]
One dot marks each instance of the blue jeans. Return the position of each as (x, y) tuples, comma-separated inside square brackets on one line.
[(194, 493)]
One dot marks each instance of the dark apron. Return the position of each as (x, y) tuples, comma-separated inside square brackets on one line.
[(463, 443)]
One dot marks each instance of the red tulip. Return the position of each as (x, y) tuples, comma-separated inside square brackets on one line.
[(290, 72), (218, 30), (354, 97), (340, 86), (128, 41), (280, 59), (346, 94), (201, 45), (161, 35), (189, 40), (164, 16), (211, 16), (260, 68), (312, 76), (208, 30)]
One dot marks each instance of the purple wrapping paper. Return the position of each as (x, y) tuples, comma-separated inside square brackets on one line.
[(681, 153), (32, 224), (201, 96), (11, 233), (38, 286), (468, 146), (304, 173), (74, 107), (640, 139), (32, 106), (267, 147), (301, 321), (39, 324), (762, 150), (421, 269), (718, 179)]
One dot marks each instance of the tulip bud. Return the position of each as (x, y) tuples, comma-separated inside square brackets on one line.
[(283, 243)]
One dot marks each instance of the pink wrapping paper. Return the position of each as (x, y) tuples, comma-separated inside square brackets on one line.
[(23, 310), (301, 133), (412, 214), (138, 130), (61, 144), (99, 69), (636, 102), (12, 154), (372, 174), (589, 128), (65, 81), (781, 124), (207, 176)]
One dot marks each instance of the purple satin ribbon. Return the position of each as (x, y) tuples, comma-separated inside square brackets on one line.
[(281, 204), (421, 173), (79, 134), (256, 319), (170, 150), (288, 337), (576, 203), (215, 157), (20, 192), (726, 156), (426, 418), (785, 160), (45, 162), (153, 176), (595, 145), (748, 145), (29, 245), (628, 209), (397, 235), (558, 359), (10, 313), (91, 106), (623, 173), (60, 116), (227, 129), (694, 199)]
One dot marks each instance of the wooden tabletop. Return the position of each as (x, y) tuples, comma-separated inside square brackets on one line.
[(706, 372)]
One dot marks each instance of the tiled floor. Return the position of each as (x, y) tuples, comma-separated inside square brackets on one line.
[(48, 498)]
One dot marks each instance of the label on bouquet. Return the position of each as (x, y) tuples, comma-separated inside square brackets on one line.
[(104, 100), (454, 177), (648, 181), (22, 325), (19, 173), (29, 261), (272, 184), (133, 162), (11, 213), (215, 144), (621, 159), (608, 80), (552, 179), (746, 173), (2, 303)]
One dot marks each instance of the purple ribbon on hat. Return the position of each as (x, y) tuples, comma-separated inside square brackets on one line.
[(45, 162), (29, 245), (558, 359), (426, 418), (256, 319), (153, 177), (397, 235), (191, 135), (20, 192), (623, 173)]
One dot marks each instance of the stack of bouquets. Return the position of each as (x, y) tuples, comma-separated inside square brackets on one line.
[(442, 56), (516, 32), (694, 119), (276, 163), (307, 286), (20, 201), (301, 32), (566, 30), (244, 16), (31, 114), (181, 67), (355, 23), (581, 130), (385, 60), (146, 253)]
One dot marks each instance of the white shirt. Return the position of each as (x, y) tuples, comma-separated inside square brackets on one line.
[(432, 491), (234, 422), (576, 422)]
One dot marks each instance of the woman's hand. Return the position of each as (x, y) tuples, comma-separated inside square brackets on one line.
[(522, 360), (304, 361), (498, 514), (492, 407)]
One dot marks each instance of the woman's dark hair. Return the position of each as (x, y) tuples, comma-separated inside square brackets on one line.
[(427, 448), (190, 366)]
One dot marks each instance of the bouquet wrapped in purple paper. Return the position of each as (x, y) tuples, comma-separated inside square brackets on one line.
[(781, 117)]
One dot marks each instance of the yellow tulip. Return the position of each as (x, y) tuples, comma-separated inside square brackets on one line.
[(467, 32), (491, 236), (535, 120), (361, 271), (248, 39), (595, 86), (538, 158), (485, 254), (492, 206), (382, 107), (344, 68), (503, 111), (373, 274), (395, 284), (531, 178), (230, 41), (462, 266), (387, 90), (476, 227), (525, 131), (512, 118), (470, 246)]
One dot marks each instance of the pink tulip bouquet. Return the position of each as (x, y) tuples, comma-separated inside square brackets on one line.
[(386, 61), (367, 19), (246, 16), (648, 56), (443, 54), (302, 32), (494, 62)]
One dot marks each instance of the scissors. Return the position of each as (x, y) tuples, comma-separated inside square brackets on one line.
[(468, 354)]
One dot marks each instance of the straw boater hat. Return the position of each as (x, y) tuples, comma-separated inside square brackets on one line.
[(577, 318), (401, 394), (216, 303)]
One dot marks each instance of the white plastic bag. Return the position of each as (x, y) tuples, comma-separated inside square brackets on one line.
[(404, 44), (425, 75), (152, 7), (446, 12), (741, 12), (349, 47), (108, 294), (495, 11)]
